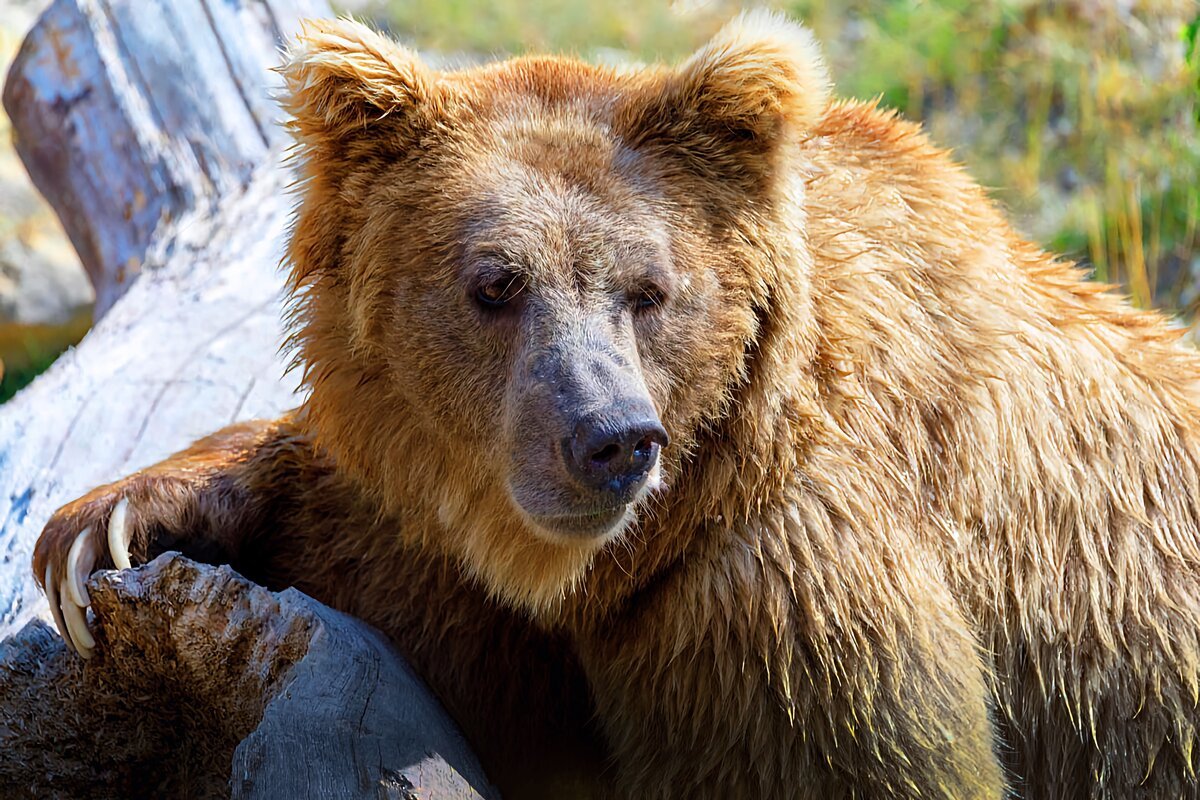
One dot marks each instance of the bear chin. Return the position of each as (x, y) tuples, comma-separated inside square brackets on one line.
[(600, 526), (589, 527)]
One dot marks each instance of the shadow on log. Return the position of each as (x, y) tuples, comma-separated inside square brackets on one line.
[(196, 666)]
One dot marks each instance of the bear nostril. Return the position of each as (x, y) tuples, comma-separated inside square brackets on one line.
[(645, 447), (606, 454)]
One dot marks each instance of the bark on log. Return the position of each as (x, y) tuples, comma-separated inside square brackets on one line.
[(148, 125), (197, 666)]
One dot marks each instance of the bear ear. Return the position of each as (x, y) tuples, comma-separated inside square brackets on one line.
[(340, 77), (731, 104)]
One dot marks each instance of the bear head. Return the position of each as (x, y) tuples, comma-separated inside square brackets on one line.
[(525, 292)]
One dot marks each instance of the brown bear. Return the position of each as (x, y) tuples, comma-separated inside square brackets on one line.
[(706, 435)]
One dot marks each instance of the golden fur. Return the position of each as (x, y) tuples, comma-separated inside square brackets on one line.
[(929, 523)]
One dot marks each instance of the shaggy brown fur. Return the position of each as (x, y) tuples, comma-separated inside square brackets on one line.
[(928, 525)]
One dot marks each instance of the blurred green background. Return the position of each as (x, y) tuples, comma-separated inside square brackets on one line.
[(1080, 116)]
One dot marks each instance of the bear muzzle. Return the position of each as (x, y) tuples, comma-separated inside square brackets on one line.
[(591, 441)]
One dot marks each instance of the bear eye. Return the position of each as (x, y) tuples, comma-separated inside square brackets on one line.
[(497, 292), (647, 298)]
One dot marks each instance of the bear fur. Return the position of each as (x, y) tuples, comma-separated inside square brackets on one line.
[(927, 524)]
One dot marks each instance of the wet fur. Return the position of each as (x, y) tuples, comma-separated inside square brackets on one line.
[(930, 525)]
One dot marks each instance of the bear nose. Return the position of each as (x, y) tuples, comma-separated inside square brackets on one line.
[(615, 455)]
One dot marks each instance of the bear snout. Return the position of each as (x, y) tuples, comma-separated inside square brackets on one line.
[(587, 439)]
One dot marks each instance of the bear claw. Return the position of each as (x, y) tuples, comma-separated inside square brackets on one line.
[(118, 535), (68, 595), (76, 620), (78, 570), (55, 610)]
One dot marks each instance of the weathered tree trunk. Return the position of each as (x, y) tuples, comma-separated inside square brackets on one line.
[(129, 115), (148, 125)]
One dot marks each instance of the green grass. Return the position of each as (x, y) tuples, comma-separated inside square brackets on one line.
[(1082, 122), (17, 378), (643, 30)]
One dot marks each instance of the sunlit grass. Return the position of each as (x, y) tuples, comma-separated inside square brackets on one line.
[(641, 30), (1080, 117)]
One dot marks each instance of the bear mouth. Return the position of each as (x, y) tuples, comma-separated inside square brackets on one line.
[(593, 524)]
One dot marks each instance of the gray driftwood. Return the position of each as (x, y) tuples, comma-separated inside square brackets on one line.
[(148, 125), (197, 666)]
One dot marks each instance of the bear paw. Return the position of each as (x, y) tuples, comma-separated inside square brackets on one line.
[(63, 562)]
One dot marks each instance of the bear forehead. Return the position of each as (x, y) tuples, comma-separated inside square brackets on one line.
[(537, 170), (553, 112), (538, 217), (559, 147)]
